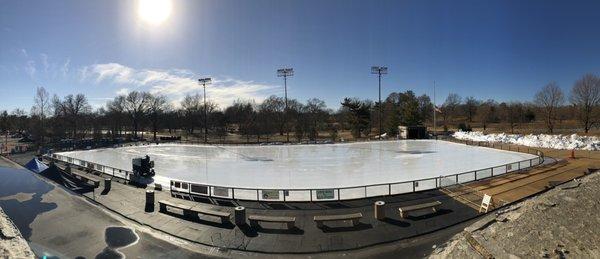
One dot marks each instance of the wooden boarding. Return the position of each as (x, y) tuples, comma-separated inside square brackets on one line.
[(355, 217), (423, 206), (254, 219)]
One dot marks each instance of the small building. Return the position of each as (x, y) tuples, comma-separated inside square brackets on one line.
[(412, 132)]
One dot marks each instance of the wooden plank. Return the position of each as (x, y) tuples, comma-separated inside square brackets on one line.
[(271, 218), (210, 212), (420, 206), (338, 217)]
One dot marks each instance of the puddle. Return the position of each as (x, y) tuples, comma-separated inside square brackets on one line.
[(117, 238), (109, 253), (15, 184)]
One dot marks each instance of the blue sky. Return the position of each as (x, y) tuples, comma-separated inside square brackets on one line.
[(504, 50)]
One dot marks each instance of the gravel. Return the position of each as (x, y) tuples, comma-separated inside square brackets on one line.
[(563, 222)]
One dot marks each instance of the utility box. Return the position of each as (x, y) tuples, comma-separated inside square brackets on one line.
[(412, 132)]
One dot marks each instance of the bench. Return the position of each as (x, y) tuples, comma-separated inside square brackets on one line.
[(95, 183), (254, 219), (163, 204), (189, 211), (215, 213), (355, 217), (430, 205)]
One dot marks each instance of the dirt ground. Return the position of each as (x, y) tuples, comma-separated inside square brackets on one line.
[(563, 222)]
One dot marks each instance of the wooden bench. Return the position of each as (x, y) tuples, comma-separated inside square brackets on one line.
[(163, 204), (254, 219), (354, 217), (95, 183), (215, 213), (430, 205)]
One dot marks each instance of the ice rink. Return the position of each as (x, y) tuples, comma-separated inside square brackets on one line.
[(305, 166)]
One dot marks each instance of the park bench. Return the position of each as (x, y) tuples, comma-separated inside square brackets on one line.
[(215, 213), (189, 211), (163, 204), (91, 181), (254, 219), (430, 205), (354, 217)]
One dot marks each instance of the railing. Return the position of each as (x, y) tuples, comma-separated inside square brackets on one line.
[(190, 189), (108, 170)]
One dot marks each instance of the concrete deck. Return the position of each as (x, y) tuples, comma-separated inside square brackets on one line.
[(305, 238)]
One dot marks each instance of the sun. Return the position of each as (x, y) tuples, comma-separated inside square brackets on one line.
[(154, 11)]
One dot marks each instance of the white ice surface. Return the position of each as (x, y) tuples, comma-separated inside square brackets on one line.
[(542, 140), (306, 166)]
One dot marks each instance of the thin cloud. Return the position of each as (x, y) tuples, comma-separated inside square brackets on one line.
[(174, 83), (44, 59), (30, 68), (65, 67)]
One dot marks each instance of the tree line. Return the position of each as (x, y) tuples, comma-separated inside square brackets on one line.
[(130, 115)]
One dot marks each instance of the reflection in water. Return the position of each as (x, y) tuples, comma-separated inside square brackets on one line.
[(23, 213)]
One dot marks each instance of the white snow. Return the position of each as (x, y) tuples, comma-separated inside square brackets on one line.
[(306, 166), (542, 140)]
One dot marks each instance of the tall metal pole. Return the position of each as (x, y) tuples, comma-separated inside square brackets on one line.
[(434, 112), (287, 132), (205, 116), (380, 113), (204, 82), (379, 71), (285, 72)]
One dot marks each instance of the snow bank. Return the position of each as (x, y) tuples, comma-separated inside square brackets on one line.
[(542, 140)]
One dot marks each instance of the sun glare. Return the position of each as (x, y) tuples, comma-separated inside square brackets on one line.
[(154, 11)]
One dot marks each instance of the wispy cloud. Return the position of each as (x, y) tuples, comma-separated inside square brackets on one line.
[(65, 67), (30, 68), (44, 59), (174, 83)]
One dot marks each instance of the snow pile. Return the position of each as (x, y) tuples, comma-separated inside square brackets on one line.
[(542, 140)]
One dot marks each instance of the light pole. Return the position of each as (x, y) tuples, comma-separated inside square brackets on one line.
[(204, 82), (379, 71), (285, 72)]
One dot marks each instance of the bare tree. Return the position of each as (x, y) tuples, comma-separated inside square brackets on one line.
[(512, 113), (585, 96), (70, 110), (115, 112), (471, 108), (157, 105), (41, 108), (450, 107), (486, 113), (136, 105), (548, 99)]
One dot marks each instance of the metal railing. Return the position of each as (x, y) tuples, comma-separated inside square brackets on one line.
[(188, 188), (108, 170)]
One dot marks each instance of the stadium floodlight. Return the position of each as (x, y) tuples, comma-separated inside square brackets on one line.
[(379, 71), (204, 82), (285, 72)]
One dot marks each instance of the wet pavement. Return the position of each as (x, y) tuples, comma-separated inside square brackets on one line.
[(60, 224), (63, 223)]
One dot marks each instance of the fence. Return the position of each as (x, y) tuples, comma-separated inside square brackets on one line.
[(114, 172), (331, 194)]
